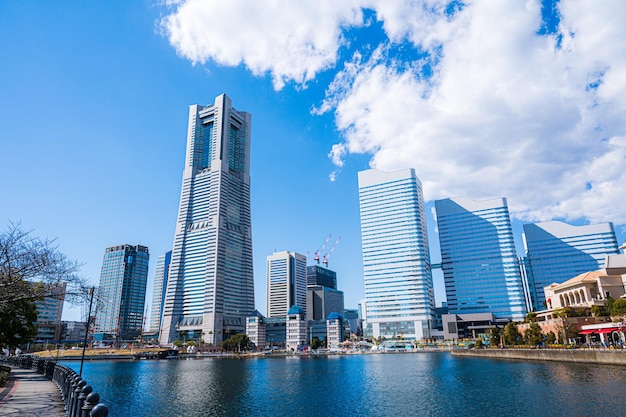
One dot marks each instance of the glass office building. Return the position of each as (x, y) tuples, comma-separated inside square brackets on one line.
[(318, 275), (557, 251), (321, 301), (122, 293), (478, 258), (210, 289), (286, 282), (49, 312), (158, 290), (396, 261)]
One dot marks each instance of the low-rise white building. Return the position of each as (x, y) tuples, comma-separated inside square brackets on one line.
[(334, 330), (255, 329), (296, 328), (584, 291)]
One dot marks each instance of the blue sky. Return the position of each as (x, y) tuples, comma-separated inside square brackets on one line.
[(482, 99)]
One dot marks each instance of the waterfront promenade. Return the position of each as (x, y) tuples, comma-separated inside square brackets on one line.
[(582, 356), (30, 394)]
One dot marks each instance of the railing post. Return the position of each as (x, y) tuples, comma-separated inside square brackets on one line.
[(81, 399), (90, 402), (99, 410), (71, 395), (79, 386), (66, 383)]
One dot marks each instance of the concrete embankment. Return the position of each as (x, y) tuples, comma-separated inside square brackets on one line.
[(597, 356)]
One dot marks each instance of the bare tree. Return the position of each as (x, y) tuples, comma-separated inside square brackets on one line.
[(32, 269)]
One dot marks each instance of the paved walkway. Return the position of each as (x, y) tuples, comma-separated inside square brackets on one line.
[(30, 394)]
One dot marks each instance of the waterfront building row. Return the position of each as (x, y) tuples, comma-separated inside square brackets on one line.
[(485, 281), (479, 261), (204, 286), (294, 332), (573, 307)]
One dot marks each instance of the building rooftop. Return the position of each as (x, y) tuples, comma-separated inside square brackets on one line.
[(590, 277), (334, 316), (296, 310), (615, 264)]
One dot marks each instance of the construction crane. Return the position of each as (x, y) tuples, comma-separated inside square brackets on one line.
[(319, 251), (330, 252)]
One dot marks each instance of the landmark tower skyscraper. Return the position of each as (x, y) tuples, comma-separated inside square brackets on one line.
[(210, 289), (396, 261)]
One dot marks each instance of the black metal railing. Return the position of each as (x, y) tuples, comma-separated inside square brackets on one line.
[(78, 396)]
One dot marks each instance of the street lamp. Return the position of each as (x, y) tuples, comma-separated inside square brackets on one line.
[(82, 358)]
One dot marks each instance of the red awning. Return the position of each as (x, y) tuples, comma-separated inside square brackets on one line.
[(598, 331), (608, 330)]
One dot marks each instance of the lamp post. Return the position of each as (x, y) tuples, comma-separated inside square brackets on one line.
[(82, 358)]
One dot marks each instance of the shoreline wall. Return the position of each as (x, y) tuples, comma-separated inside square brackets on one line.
[(605, 357)]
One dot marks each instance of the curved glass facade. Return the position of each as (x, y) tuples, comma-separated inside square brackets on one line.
[(478, 258), (557, 251)]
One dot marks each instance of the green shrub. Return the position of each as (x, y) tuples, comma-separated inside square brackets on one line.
[(4, 378), (619, 307)]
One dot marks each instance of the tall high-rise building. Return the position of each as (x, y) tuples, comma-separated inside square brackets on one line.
[(478, 258), (557, 251), (286, 282), (318, 275), (210, 289), (122, 292), (396, 260), (158, 290), (49, 311)]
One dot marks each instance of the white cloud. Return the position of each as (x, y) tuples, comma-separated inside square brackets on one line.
[(293, 40), (505, 112)]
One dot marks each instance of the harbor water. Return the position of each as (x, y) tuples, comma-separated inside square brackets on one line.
[(417, 384)]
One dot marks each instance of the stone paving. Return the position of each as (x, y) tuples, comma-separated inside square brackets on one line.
[(30, 394)]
